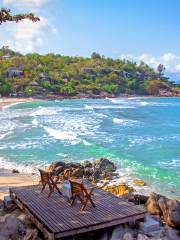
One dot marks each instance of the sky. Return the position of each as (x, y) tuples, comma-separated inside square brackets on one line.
[(140, 30)]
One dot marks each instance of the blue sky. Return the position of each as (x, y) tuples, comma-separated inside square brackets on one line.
[(137, 29)]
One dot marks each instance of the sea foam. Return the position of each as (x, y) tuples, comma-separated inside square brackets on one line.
[(60, 135)]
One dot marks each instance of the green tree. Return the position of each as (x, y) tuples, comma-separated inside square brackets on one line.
[(6, 16)]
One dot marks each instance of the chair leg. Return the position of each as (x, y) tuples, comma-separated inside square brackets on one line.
[(93, 204), (73, 200), (50, 189), (55, 186), (44, 185)]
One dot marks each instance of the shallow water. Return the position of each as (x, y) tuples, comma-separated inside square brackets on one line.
[(142, 135)]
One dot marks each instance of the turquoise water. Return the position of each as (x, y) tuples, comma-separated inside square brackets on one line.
[(142, 135)]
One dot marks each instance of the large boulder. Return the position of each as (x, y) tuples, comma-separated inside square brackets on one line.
[(87, 164), (152, 204), (9, 228), (171, 211), (105, 164), (162, 206)]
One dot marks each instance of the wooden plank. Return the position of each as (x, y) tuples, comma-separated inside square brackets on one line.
[(98, 226), (56, 218)]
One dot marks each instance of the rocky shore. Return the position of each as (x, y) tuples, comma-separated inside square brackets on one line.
[(163, 215)]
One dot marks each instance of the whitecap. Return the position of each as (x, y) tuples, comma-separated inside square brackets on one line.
[(124, 121), (88, 107), (44, 111), (111, 107), (60, 135), (24, 168), (144, 103), (101, 115), (86, 143), (3, 135), (35, 122)]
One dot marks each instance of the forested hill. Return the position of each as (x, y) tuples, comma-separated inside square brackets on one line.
[(97, 76)]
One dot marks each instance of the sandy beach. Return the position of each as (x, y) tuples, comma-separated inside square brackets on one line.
[(8, 101), (9, 180)]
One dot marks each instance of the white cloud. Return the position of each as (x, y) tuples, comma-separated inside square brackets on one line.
[(170, 60), (27, 36)]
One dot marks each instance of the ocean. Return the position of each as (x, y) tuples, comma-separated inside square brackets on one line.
[(141, 135)]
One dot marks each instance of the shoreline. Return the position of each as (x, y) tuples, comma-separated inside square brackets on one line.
[(8, 101), (9, 180)]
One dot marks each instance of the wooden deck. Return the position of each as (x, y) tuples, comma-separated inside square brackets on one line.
[(57, 219)]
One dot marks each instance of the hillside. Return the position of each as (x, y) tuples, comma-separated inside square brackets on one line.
[(56, 75)]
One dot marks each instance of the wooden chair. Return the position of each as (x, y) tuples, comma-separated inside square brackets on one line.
[(47, 179), (80, 191)]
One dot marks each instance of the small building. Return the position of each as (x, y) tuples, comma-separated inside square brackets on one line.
[(14, 72), (5, 57)]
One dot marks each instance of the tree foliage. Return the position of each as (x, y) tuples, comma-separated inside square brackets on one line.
[(70, 76), (6, 16)]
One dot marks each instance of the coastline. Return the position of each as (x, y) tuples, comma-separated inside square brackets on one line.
[(9, 180), (6, 101)]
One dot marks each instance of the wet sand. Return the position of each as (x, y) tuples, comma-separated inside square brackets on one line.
[(9, 180), (8, 101)]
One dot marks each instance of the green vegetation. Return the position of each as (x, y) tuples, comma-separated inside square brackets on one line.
[(51, 74)]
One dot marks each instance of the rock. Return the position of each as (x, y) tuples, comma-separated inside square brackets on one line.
[(72, 165), (152, 204), (9, 228), (97, 174), (67, 173), (174, 213), (171, 234), (15, 171), (23, 218), (88, 172), (138, 199), (87, 164), (119, 189), (119, 232), (128, 236), (105, 164), (31, 234), (58, 170), (77, 173), (54, 165), (139, 182), (171, 211), (149, 225), (142, 237)]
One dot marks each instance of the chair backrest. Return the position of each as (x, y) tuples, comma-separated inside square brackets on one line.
[(45, 176), (77, 188)]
